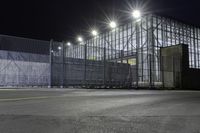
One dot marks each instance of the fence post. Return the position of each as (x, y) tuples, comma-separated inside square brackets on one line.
[(137, 52), (122, 55), (62, 65), (50, 63), (85, 64), (104, 67), (150, 70), (173, 71)]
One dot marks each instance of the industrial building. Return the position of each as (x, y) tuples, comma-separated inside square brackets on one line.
[(149, 52)]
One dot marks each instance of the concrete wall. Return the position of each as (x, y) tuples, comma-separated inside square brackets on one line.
[(175, 68), (171, 65)]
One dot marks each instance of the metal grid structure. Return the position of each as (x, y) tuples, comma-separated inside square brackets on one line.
[(73, 66), (138, 43), (128, 55)]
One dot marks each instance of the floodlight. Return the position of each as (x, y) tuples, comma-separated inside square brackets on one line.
[(68, 44), (94, 33), (113, 24), (80, 39), (136, 14), (59, 47)]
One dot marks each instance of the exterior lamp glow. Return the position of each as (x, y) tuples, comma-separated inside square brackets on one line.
[(136, 14), (59, 48), (113, 24), (80, 39), (68, 44), (94, 33)]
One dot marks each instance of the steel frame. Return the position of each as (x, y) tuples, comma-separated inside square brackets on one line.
[(141, 40)]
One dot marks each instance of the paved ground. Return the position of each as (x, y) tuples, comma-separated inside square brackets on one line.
[(99, 111)]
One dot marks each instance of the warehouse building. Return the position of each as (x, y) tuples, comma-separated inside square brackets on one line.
[(150, 52)]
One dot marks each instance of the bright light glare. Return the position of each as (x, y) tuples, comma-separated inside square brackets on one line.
[(136, 14), (80, 39), (94, 33), (113, 24), (68, 44), (59, 47)]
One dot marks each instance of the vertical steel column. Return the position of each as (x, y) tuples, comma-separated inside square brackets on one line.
[(111, 44), (171, 32), (147, 49), (158, 55), (115, 45), (137, 52), (85, 63), (127, 44), (63, 58), (197, 37), (194, 45), (122, 55), (50, 63), (173, 72), (104, 66), (152, 54), (142, 51)]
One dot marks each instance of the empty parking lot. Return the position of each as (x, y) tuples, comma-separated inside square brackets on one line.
[(101, 111)]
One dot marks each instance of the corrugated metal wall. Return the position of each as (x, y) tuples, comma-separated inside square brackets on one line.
[(23, 69)]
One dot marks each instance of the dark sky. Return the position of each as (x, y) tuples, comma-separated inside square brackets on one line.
[(65, 19)]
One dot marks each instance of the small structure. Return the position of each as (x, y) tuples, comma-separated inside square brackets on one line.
[(175, 68)]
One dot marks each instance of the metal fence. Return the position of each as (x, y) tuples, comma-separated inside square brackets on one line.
[(58, 65), (73, 66), (141, 41), (128, 55)]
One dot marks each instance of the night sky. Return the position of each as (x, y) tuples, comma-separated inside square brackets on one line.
[(65, 19)]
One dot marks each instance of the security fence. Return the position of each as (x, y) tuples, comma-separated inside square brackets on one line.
[(141, 40), (74, 66), (58, 65), (128, 55)]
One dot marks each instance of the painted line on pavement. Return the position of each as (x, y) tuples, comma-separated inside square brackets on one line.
[(28, 98)]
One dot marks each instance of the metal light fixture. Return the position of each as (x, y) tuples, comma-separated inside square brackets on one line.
[(59, 48), (113, 24), (136, 14), (94, 32), (68, 44), (80, 39)]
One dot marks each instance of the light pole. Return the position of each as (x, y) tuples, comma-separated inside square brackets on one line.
[(50, 63), (137, 15)]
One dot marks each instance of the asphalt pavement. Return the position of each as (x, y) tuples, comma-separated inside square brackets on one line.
[(98, 111)]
